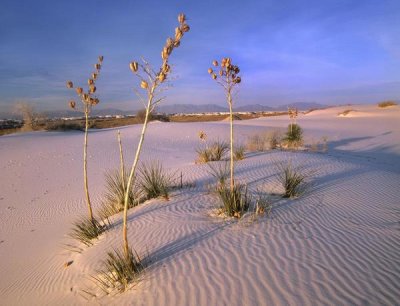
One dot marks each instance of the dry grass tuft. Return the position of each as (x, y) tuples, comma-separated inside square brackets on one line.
[(214, 152), (388, 103)]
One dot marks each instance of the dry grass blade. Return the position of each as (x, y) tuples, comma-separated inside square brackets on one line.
[(215, 152), (86, 229), (154, 181), (293, 180)]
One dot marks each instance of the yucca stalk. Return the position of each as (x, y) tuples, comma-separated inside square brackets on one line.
[(88, 100), (228, 78), (121, 159), (155, 80)]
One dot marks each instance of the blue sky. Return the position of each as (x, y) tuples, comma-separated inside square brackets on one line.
[(330, 52)]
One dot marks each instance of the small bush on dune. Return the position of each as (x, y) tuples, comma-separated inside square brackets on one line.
[(63, 126), (384, 104), (292, 179), (256, 143), (238, 152), (87, 229), (215, 152), (119, 271), (154, 181), (274, 139), (235, 201), (114, 197), (294, 136)]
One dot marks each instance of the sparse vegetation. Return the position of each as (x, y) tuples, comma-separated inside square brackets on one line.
[(214, 152), (63, 126), (294, 136), (235, 201), (220, 172), (263, 205), (345, 112), (292, 179), (388, 103), (154, 181), (87, 229), (261, 142), (238, 152), (119, 270)]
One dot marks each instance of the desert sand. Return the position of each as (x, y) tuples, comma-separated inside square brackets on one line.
[(338, 244)]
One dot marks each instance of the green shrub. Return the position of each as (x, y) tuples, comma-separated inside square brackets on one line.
[(215, 152), (85, 230), (154, 181), (294, 136), (293, 180), (236, 202), (119, 271)]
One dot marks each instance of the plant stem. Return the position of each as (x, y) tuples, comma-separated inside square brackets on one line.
[(121, 158), (133, 169), (85, 178), (231, 136)]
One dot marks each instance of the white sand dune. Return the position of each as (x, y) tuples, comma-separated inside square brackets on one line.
[(339, 244)]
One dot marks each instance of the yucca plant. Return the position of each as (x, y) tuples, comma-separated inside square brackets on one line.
[(154, 181), (220, 172), (86, 229), (228, 78), (238, 152), (294, 136), (292, 179), (119, 270), (213, 152), (235, 201), (89, 100), (150, 82)]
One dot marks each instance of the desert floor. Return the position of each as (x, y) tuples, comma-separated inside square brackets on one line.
[(338, 244)]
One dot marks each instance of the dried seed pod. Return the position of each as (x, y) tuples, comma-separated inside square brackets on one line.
[(169, 42), (210, 70), (161, 77), (79, 90), (185, 28), (94, 76), (181, 18), (166, 68), (177, 43), (90, 81), (95, 101), (238, 80), (133, 66), (85, 97), (72, 104), (214, 76), (221, 72), (164, 54), (178, 34), (101, 57), (97, 66), (144, 85), (70, 84), (215, 63), (92, 89)]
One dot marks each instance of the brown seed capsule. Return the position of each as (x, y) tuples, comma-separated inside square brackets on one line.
[(177, 43), (164, 54), (181, 18), (210, 70), (72, 104), (178, 34), (101, 57), (237, 80), (185, 28), (215, 63), (94, 76), (92, 89), (221, 73), (161, 77), (97, 66), (169, 42), (144, 85), (70, 84), (133, 66), (90, 81), (79, 90), (85, 97), (214, 76), (166, 68)]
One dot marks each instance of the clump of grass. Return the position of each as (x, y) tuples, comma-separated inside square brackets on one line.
[(263, 205), (294, 136), (292, 179), (220, 172), (114, 197), (119, 270), (214, 152), (154, 181), (238, 152), (235, 201), (345, 112), (274, 139), (87, 229), (388, 103), (256, 142)]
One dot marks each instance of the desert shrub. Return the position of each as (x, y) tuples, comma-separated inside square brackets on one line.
[(154, 181), (263, 205), (141, 115), (119, 271), (274, 139), (384, 104), (63, 126), (294, 136), (214, 152), (87, 229), (345, 112), (256, 142), (220, 172), (114, 197), (238, 152), (235, 201), (292, 179)]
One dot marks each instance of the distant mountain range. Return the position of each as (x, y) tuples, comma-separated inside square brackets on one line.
[(176, 108)]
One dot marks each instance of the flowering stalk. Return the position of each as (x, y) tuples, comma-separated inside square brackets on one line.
[(88, 100), (228, 78), (149, 82)]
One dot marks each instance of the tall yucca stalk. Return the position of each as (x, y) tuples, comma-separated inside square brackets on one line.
[(228, 78), (88, 100), (150, 81)]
